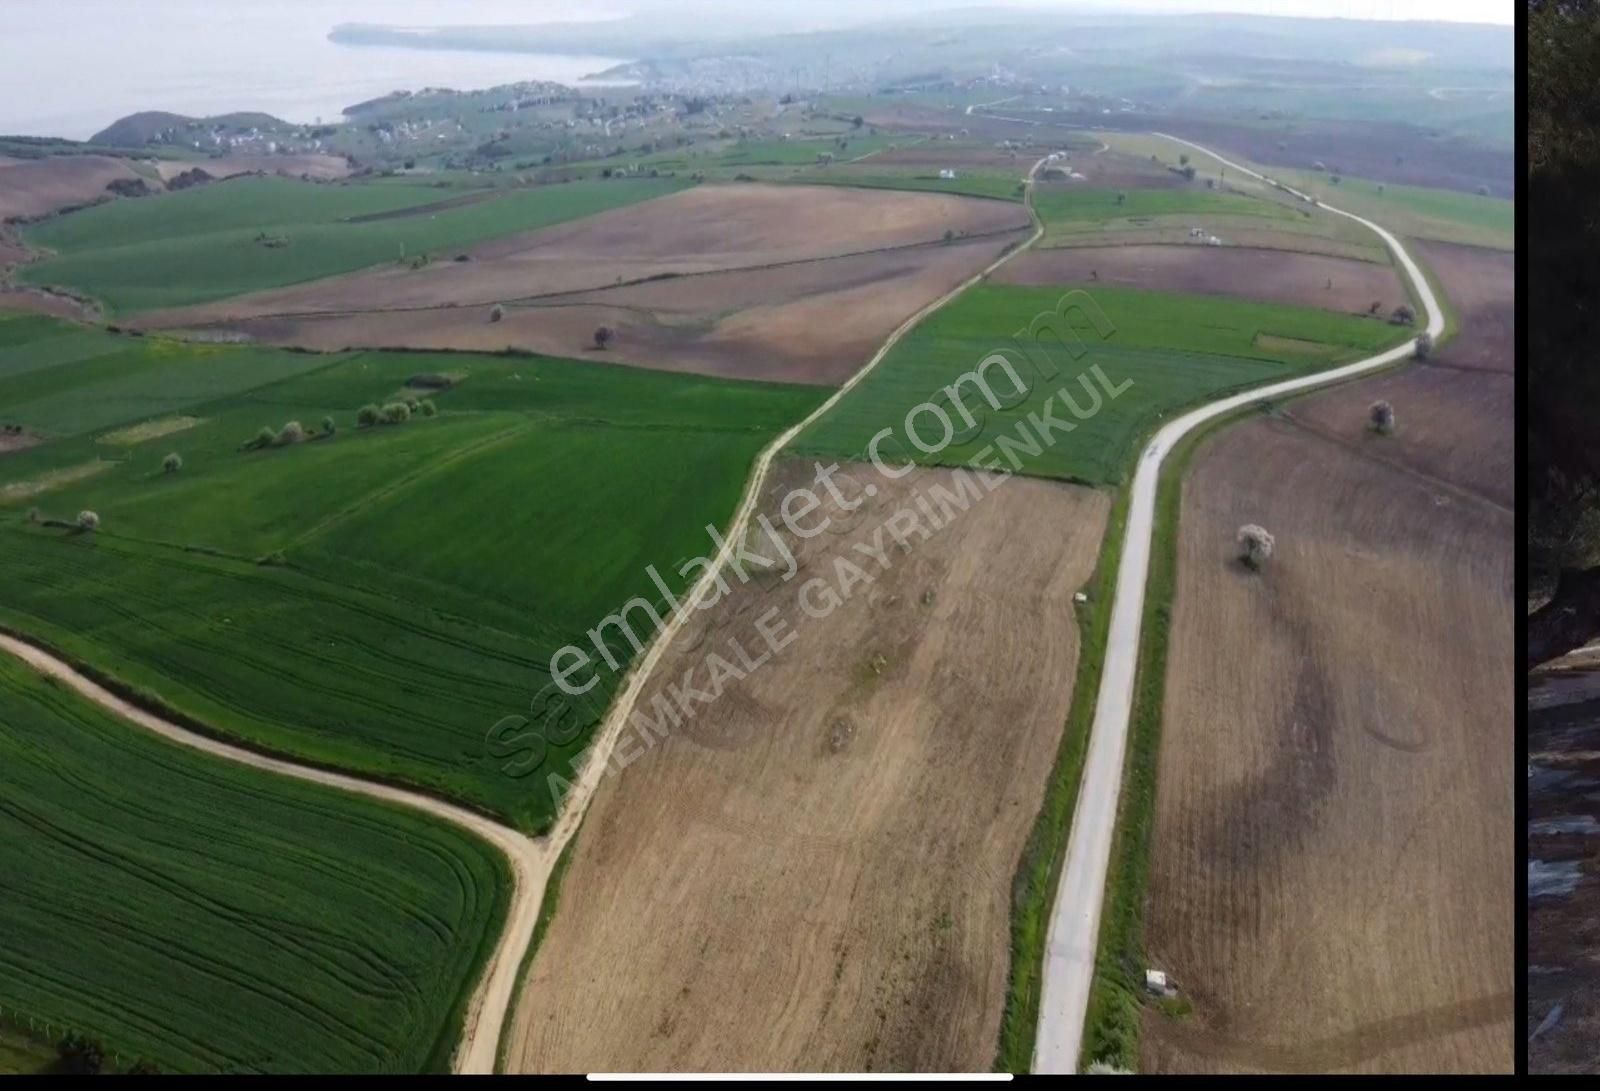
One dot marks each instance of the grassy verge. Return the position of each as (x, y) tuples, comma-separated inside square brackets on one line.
[(25, 1051), (1111, 1025), (1039, 868)]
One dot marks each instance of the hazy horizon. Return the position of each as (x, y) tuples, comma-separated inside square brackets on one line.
[(72, 77)]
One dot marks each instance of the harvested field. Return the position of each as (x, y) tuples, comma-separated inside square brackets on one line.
[(1481, 285), (786, 883), (1310, 280), (812, 323), (797, 283), (704, 229), (38, 187), (1453, 412), (315, 167), (1331, 880), (1451, 425)]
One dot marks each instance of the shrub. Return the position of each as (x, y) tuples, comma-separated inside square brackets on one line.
[(328, 427), (172, 463), (602, 337), (35, 515), (429, 409), (1424, 345), (291, 432), (1255, 546), (496, 313), (396, 413), (368, 415), (80, 1056), (1382, 416), (264, 438), (88, 520)]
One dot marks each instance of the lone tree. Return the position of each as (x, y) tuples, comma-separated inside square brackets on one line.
[(292, 432), (264, 438), (1403, 315), (368, 415), (1424, 345), (1255, 546), (427, 409), (172, 463), (949, 235), (89, 521), (602, 337), (1382, 417), (1183, 160), (396, 413), (1121, 199), (328, 427), (496, 313)]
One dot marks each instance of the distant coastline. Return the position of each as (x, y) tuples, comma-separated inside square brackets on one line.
[(292, 70)]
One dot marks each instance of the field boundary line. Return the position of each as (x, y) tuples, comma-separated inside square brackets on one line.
[(1072, 942), (519, 850), (597, 755), (533, 302)]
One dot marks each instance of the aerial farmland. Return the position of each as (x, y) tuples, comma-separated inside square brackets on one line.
[(854, 566)]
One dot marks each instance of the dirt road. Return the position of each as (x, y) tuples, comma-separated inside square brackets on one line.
[(1075, 920), (532, 859)]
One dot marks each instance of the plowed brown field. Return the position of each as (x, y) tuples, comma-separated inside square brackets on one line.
[(814, 872), (795, 283), (1331, 872)]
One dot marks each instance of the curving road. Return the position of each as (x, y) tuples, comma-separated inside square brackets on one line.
[(532, 859), (1072, 941)]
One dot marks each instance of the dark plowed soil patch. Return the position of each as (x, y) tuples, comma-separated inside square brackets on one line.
[(1481, 285)]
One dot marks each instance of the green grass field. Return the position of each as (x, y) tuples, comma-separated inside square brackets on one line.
[(1442, 214), (206, 916), (1420, 212), (377, 599), (1174, 350), (202, 244)]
